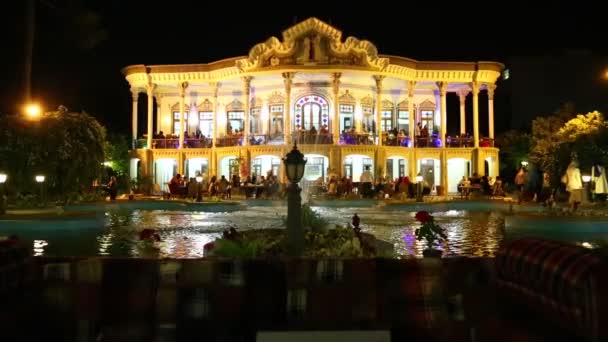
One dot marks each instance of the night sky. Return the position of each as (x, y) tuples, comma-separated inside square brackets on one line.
[(554, 55)]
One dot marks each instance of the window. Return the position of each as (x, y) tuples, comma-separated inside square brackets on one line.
[(257, 167), (311, 111), (235, 122), (177, 124), (368, 118), (403, 121), (347, 109), (428, 119), (205, 121), (255, 125), (387, 120), (276, 119)]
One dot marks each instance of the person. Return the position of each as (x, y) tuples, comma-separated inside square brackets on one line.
[(520, 182), (366, 179), (546, 194), (112, 188), (574, 185), (599, 185)]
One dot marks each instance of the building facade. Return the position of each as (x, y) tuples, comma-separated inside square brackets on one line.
[(346, 106)]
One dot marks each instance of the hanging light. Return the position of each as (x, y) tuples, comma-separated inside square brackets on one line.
[(40, 178)]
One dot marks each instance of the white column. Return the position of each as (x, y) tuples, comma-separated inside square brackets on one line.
[(475, 92), (182, 109), (150, 90), (134, 98), (158, 113), (443, 86), (462, 95), (246, 102), (491, 88), (336, 117), (411, 85), (287, 81), (214, 88), (379, 80)]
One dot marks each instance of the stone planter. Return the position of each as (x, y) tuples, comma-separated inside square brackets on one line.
[(432, 253)]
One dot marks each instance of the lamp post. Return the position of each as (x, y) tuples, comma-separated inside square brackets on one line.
[(40, 180), (199, 180), (33, 111), (419, 188), (2, 194), (294, 167)]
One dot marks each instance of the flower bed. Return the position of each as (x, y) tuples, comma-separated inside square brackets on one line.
[(338, 242)]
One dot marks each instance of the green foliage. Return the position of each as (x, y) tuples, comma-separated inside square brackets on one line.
[(28, 201), (431, 233), (142, 184), (313, 220), (514, 148), (116, 150), (66, 147), (236, 249), (557, 139)]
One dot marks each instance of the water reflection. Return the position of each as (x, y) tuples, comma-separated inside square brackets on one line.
[(184, 233), (39, 247)]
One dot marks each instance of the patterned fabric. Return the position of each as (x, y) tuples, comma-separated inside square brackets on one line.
[(210, 298), (554, 277)]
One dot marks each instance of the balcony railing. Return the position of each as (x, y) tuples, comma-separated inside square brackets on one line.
[(356, 139), (229, 140), (307, 138), (311, 138)]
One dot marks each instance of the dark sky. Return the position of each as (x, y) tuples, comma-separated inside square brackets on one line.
[(80, 46)]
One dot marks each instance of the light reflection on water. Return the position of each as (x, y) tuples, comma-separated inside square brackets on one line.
[(184, 233)]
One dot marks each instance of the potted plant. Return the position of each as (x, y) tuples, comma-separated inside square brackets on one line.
[(431, 233)]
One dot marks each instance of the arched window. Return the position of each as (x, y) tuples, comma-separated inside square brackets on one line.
[(388, 110), (176, 119), (312, 111)]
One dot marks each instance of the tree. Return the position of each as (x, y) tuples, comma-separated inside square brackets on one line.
[(67, 147), (116, 150), (514, 148), (559, 138)]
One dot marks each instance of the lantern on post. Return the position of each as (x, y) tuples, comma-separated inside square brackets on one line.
[(294, 167)]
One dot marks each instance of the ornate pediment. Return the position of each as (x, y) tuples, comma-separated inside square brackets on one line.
[(367, 101), (387, 104), (205, 106), (175, 107), (256, 102), (234, 106), (312, 42), (347, 97), (403, 105), (276, 98), (426, 104)]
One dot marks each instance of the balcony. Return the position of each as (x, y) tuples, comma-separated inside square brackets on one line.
[(356, 139), (311, 138), (229, 140), (173, 143), (266, 139)]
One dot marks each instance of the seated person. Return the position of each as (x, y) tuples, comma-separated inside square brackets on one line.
[(497, 188)]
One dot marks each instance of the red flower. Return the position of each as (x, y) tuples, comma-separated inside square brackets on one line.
[(423, 216), (209, 246)]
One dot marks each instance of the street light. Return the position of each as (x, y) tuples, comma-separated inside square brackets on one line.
[(199, 180), (419, 188), (294, 167), (33, 111), (2, 195), (40, 180), (524, 163)]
